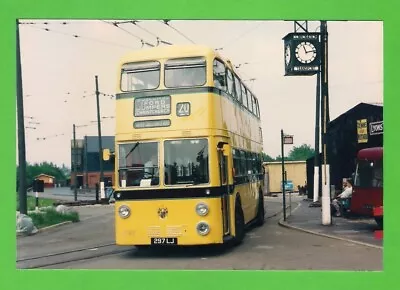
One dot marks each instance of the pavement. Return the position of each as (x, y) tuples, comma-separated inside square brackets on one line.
[(309, 219), (95, 228)]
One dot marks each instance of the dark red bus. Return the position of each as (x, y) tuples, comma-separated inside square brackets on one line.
[(368, 184)]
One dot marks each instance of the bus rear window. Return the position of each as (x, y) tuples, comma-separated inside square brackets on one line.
[(140, 76), (185, 72)]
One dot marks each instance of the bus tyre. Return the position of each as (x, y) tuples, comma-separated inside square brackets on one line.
[(239, 223), (260, 211), (379, 221)]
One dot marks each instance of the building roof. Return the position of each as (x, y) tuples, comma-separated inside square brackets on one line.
[(358, 107), (42, 174), (286, 162)]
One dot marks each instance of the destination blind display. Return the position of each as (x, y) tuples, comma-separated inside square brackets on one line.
[(152, 106)]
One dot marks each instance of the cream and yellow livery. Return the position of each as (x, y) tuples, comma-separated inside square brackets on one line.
[(188, 149)]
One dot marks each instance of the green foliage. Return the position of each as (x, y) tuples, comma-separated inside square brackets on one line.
[(301, 153), (32, 170), (279, 158), (266, 158), (52, 217), (298, 153)]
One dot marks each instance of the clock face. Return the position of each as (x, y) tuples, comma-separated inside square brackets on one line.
[(306, 52), (287, 54)]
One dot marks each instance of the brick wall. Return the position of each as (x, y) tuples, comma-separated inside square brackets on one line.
[(93, 178)]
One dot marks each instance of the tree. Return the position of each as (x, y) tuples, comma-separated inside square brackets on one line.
[(301, 153), (266, 157), (49, 168), (279, 158)]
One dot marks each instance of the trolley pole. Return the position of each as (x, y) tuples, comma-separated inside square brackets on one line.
[(99, 133), (283, 177), (74, 165), (21, 133)]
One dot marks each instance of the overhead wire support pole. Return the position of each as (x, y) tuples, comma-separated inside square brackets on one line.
[(74, 157), (99, 133), (326, 212), (86, 166), (317, 132), (22, 194)]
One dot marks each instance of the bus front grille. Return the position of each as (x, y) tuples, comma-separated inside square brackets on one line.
[(174, 231), (154, 231), (170, 231)]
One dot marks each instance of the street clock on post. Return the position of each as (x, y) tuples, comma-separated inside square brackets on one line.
[(302, 53)]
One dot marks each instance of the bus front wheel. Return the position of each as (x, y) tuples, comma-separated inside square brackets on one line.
[(239, 223)]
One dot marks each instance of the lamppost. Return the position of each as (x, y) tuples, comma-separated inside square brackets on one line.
[(285, 139)]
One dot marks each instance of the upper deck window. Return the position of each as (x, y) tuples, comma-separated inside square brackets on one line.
[(219, 75), (140, 76), (185, 72), (238, 89), (244, 96), (230, 83)]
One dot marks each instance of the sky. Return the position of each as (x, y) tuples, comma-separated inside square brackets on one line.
[(59, 67)]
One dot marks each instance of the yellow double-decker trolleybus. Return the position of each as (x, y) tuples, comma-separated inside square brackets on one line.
[(188, 146)]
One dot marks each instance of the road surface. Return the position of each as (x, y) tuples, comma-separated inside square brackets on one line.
[(270, 247)]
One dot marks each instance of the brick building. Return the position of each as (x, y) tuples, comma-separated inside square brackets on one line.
[(48, 180), (87, 160)]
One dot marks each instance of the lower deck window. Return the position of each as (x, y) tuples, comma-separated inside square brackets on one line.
[(138, 164)]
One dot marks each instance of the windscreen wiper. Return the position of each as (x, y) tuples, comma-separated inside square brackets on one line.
[(133, 148)]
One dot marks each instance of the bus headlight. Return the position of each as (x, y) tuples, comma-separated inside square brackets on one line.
[(124, 211), (203, 228), (202, 209)]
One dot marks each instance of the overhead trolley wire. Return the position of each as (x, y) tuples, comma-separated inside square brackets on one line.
[(80, 36), (166, 22), (116, 24), (240, 36)]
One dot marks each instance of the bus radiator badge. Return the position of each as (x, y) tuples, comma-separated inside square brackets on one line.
[(162, 212)]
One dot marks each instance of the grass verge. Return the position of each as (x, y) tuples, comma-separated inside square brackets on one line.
[(51, 217), (31, 202)]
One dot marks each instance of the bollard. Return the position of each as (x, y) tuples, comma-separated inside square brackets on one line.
[(97, 193), (37, 201)]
